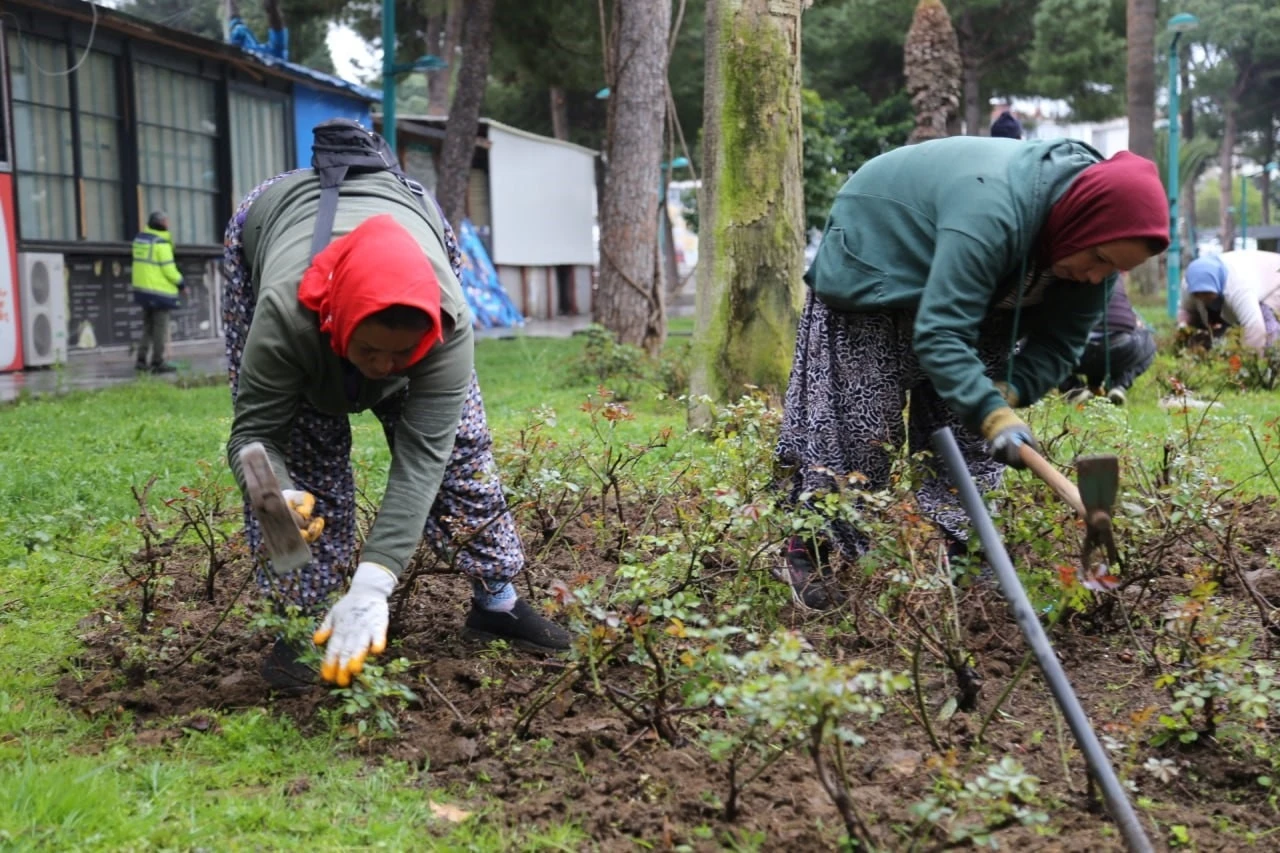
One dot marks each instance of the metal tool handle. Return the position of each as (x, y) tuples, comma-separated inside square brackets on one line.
[(1040, 466), (1055, 677)]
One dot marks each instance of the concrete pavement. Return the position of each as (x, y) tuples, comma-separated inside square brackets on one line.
[(197, 361)]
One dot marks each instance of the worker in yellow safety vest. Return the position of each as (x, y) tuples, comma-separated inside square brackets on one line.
[(156, 285)]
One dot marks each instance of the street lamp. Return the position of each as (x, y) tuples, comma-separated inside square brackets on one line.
[(390, 69), (1178, 24)]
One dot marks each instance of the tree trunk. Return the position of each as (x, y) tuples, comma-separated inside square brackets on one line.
[(464, 115), (932, 67), (559, 113), (670, 267), (974, 125), (973, 112), (751, 236), (1140, 91), (438, 82), (1188, 195), (628, 303), (1226, 222)]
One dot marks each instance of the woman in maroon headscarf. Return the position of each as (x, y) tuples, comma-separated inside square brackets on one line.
[(936, 260), (377, 321)]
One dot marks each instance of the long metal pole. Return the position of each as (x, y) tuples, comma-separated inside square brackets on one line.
[(1174, 255), (388, 72), (1094, 755)]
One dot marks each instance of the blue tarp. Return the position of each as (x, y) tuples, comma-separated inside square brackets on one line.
[(485, 295)]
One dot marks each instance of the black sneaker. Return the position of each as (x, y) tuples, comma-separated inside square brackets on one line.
[(809, 575), (142, 367), (165, 367), (284, 672), (523, 626)]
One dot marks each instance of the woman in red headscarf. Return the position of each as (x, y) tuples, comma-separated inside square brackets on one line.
[(966, 272), (375, 322)]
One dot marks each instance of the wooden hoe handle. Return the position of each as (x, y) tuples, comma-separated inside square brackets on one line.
[(1040, 466)]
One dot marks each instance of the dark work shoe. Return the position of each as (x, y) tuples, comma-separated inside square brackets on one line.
[(284, 672), (523, 626), (809, 575), (142, 367), (165, 367)]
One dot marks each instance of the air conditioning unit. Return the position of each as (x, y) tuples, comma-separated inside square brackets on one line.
[(43, 286)]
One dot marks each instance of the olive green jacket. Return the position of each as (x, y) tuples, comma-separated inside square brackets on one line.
[(288, 362)]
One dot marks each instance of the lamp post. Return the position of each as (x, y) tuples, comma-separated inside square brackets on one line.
[(1178, 25), (390, 69)]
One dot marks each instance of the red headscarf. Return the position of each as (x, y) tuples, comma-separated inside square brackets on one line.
[(377, 265), (1117, 199)]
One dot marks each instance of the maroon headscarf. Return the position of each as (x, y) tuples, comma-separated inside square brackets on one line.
[(1117, 199)]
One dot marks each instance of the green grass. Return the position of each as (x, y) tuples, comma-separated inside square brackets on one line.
[(66, 510)]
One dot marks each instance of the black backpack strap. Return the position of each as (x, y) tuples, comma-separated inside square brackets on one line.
[(341, 146)]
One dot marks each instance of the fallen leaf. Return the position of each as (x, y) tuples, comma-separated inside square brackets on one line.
[(448, 812)]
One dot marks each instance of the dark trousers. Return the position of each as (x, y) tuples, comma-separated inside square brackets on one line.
[(1131, 353), (155, 336)]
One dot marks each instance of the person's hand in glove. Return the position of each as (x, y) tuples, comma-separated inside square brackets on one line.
[(357, 624), (1005, 433), (303, 504)]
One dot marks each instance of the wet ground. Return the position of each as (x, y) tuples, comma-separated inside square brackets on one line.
[(196, 361)]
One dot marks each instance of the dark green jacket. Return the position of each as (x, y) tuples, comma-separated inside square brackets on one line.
[(287, 361), (947, 229)]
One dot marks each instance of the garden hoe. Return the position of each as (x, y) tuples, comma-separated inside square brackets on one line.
[(1099, 478), (280, 533)]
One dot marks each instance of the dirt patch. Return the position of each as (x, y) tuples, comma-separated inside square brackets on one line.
[(582, 759)]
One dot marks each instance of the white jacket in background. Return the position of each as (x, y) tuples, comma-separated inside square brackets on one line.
[(1253, 280)]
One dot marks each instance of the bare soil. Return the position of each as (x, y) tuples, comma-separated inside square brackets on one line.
[(583, 760)]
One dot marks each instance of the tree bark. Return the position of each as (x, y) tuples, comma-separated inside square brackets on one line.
[(1226, 222), (464, 115), (971, 66), (630, 302), (438, 82), (559, 113), (751, 237), (1140, 91), (1188, 194)]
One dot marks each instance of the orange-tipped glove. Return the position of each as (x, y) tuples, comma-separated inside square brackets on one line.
[(303, 504), (1005, 433), (357, 624)]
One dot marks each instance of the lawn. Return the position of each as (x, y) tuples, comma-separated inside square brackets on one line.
[(110, 739)]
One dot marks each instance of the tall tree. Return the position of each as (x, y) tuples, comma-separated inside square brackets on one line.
[(1239, 42), (995, 39), (1078, 55), (931, 59), (631, 302), (444, 32), (1140, 79), (464, 114), (752, 207)]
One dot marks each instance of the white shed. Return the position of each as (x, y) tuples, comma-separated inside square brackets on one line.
[(532, 199)]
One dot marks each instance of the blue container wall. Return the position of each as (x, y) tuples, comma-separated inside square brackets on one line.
[(312, 106)]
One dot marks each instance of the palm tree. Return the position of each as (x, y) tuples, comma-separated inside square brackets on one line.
[(931, 60)]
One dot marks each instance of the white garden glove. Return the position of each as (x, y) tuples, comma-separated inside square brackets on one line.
[(303, 504), (357, 624)]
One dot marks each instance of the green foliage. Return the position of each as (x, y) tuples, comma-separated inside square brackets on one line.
[(1079, 55), (966, 812), (824, 169), (627, 370)]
